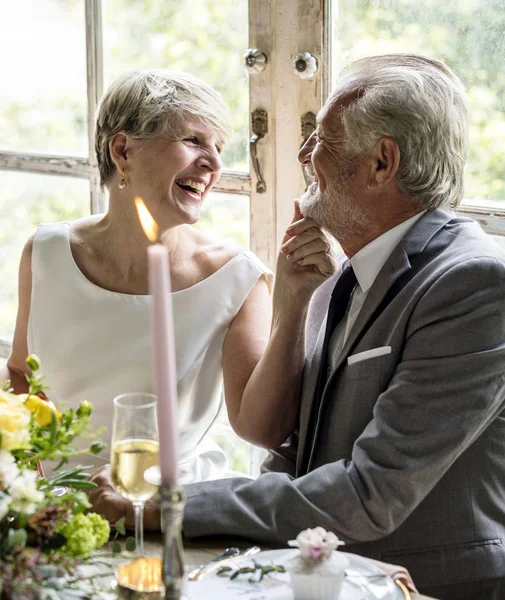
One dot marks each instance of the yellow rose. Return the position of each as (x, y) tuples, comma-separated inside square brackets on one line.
[(14, 420), (42, 409)]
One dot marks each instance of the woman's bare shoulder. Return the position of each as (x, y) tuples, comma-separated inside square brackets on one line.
[(81, 228), (208, 252)]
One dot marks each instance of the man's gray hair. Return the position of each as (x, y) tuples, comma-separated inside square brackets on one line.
[(420, 103), (155, 102)]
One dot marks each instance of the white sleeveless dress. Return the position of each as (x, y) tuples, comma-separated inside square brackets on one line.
[(95, 344)]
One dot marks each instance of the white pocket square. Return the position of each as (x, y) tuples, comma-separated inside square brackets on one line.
[(368, 354)]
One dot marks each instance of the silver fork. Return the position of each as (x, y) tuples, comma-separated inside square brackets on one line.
[(228, 553)]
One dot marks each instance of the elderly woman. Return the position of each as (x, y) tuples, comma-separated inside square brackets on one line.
[(83, 293)]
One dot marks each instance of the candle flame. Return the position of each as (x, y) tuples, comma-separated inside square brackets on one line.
[(148, 224)]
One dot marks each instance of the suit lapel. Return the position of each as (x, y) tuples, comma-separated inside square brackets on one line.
[(397, 264)]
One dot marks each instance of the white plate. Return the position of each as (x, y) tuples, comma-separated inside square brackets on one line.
[(358, 587)]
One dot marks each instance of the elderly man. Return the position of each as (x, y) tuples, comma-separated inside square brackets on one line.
[(400, 444)]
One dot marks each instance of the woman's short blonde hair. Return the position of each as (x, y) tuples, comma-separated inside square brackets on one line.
[(155, 102)]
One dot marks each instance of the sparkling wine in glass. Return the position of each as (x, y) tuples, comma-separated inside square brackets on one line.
[(134, 449)]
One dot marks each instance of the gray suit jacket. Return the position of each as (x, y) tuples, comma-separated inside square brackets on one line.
[(407, 464)]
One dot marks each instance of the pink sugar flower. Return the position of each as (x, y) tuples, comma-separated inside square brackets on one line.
[(316, 544)]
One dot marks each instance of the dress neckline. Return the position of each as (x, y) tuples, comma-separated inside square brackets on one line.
[(123, 294)]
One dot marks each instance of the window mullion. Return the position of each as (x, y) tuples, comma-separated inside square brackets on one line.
[(69, 166), (234, 182), (94, 62)]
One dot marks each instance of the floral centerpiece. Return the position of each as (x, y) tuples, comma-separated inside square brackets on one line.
[(45, 529), (317, 571)]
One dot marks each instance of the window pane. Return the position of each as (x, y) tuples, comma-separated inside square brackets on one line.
[(25, 201), (468, 36), (204, 37), (43, 75), (242, 456), (226, 217), (236, 449)]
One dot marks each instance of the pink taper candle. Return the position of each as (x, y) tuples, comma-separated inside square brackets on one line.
[(162, 326), (164, 359)]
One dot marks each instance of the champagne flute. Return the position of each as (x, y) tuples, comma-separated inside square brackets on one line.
[(134, 449)]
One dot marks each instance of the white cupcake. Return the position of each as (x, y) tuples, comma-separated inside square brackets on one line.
[(318, 571)]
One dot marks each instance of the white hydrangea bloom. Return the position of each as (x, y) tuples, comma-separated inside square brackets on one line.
[(8, 470), (4, 504), (24, 492)]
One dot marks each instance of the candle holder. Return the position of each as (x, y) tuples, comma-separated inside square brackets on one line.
[(140, 579), (173, 499)]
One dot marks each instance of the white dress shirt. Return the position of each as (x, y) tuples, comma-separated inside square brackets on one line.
[(367, 264)]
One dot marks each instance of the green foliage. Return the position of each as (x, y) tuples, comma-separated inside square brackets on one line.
[(130, 544), (204, 37), (53, 441), (45, 527), (256, 572), (120, 526), (226, 218), (468, 36), (16, 539), (76, 478)]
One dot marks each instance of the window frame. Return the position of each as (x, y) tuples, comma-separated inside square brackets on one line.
[(281, 30), (232, 182), (235, 182), (491, 219)]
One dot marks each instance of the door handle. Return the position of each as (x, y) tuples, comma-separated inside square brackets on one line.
[(308, 121), (255, 61), (260, 129)]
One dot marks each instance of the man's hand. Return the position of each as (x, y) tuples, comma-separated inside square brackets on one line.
[(305, 260), (109, 503)]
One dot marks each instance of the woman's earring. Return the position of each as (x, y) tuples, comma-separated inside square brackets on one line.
[(122, 183)]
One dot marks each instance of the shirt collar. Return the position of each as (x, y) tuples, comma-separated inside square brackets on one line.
[(368, 262)]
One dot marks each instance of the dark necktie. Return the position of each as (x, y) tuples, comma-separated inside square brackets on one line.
[(338, 305)]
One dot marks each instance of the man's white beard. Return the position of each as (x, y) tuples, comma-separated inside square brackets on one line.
[(334, 209)]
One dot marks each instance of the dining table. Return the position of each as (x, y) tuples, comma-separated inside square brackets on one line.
[(199, 552)]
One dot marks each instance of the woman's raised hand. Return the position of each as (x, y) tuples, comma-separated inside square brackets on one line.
[(306, 259)]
